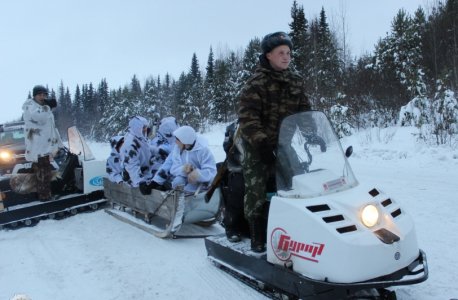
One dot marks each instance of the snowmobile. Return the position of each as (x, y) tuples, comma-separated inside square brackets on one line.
[(163, 212), (76, 185), (327, 235)]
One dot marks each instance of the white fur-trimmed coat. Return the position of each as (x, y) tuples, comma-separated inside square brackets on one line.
[(41, 135)]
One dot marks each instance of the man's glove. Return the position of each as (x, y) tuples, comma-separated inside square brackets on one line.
[(125, 175), (187, 168), (156, 186), (193, 176), (266, 153), (50, 102), (144, 188), (316, 140)]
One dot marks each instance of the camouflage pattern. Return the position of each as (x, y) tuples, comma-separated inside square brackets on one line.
[(42, 170), (256, 174), (267, 98)]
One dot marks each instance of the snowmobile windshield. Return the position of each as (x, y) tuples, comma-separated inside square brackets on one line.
[(77, 144), (310, 160)]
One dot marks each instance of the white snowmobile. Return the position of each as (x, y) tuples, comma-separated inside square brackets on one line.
[(328, 236), (78, 184)]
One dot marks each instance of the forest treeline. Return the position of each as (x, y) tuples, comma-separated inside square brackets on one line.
[(411, 78)]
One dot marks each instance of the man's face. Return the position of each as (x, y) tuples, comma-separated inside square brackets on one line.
[(40, 98), (144, 130), (279, 58)]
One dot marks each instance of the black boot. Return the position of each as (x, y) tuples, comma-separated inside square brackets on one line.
[(257, 240), (230, 224)]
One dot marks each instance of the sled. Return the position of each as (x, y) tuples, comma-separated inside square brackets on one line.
[(76, 186), (163, 212), (328, 236)]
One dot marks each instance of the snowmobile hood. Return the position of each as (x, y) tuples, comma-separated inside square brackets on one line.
[(136, 126), (114, 142), (166, 128)]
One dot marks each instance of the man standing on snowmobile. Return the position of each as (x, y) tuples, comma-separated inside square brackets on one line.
[(42, 138), (272, 93), (136, 154)]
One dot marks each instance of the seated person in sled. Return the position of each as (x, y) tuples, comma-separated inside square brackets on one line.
[(114, 162), (193, 163), (162, 145), (136, 154)]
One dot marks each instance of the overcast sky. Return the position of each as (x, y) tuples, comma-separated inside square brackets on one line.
[(44, 42)]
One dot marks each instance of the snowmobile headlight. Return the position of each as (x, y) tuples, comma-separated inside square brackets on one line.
[(6, 156), (369, 216)]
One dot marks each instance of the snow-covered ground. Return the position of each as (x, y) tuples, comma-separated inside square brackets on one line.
[(95, 256)]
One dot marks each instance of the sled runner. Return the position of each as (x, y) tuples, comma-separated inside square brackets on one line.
[(163, 212), (76, 185), (328, 236)]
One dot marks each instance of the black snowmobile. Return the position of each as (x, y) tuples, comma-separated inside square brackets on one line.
[(76, 185), (327, 235)]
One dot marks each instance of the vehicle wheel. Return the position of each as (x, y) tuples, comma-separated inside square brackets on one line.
[(61, 214), (14, 224), (28, 222), (74, 211), (94, 206)]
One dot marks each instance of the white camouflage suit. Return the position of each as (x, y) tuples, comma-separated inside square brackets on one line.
[(41, 135), (136, 154)]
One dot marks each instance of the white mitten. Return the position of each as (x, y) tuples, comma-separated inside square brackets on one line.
[(187, 168), (193, 176)]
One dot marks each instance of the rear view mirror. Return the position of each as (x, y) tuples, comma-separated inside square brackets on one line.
[(349, 151)]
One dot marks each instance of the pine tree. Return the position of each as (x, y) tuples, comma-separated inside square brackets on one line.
[(194, 113), (77, 107), (209, 84), (328, 64), (299, 36)]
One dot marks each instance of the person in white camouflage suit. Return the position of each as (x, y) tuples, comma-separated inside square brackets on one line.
[(41, 138)]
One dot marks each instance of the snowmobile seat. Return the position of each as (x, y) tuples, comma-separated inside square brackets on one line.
[(66, 169)]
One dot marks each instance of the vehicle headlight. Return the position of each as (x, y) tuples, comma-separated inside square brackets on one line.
[(369, 216), (6, 156)]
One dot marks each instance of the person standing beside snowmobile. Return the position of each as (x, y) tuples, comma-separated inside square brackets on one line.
[(272, 93), (41, 138), (193, 163), (114, 162), (136, 154), (233, 221)]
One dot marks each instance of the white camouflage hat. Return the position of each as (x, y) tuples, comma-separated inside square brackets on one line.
[(186, 135)]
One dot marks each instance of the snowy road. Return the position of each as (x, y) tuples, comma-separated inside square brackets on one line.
[(95, 256)]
